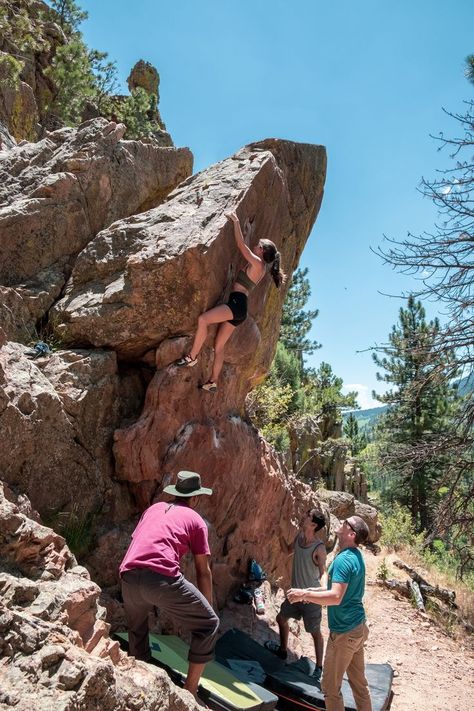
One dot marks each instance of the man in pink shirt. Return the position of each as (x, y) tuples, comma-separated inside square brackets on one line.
[(151, 575)]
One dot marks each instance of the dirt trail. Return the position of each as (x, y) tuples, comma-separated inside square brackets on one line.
[(433, 672)]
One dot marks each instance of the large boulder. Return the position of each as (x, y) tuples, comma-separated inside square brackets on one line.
[(57, 417), (147, 278), (56, 194), (342, 505), (55, 649), (157, 273)]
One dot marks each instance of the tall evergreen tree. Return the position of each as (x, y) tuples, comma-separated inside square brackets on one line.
[(296, 322), (420, 403), (324, 392), (351, 431), (68, 15)]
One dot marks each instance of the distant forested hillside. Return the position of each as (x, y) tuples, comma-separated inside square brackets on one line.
[(366, 419)]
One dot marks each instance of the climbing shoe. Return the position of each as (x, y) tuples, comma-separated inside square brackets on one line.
[(210, 386), (186, 362), (275, 648)]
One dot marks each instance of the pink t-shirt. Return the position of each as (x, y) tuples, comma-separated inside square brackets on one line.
[(164, 534)]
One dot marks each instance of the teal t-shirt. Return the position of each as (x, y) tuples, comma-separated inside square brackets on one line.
[(347, 567)]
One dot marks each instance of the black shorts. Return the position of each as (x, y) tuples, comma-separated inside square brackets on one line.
[(238, 305)]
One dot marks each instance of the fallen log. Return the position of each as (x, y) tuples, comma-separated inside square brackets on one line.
[(414, 574), (417, 596), (447, 596), (402, 587), (398, 586)]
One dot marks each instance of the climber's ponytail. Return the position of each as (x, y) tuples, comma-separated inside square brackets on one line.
[(272, 256)]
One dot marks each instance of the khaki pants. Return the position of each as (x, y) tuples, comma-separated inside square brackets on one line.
[(345, 653)]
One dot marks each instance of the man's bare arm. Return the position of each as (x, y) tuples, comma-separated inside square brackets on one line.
[(320, 556), (204, 576)]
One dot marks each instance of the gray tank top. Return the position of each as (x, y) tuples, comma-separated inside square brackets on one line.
[(305, 574)]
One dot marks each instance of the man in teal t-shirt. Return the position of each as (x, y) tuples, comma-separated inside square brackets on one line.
[(346, 618)]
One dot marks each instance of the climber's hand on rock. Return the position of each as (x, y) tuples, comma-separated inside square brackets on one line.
[(232, 216)]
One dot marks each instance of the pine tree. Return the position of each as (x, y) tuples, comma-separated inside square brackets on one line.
[(324, 392), (296, 322), (351, 431), (420, 404), (68, 15)]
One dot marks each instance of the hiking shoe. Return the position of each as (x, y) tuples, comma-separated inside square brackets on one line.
[(275, 648), (186, 362), (316, 675), (210, 386)]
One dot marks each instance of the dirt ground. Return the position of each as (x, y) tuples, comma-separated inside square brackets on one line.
[(433, 672)]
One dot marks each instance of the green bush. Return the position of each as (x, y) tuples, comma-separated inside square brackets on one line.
[(135, 114), (268, 406), (382, 570), (10, 70), (398, 529)]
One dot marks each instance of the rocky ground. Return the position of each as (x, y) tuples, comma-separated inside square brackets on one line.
[(433, 671)]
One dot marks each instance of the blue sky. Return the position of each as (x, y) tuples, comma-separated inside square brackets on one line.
[(367, 79)]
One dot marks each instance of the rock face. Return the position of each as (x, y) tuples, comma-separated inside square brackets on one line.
[(144, 76), (58, 193), (146, 279), (319, 456), (55, 651), (180, 426), (99, 252), (25, 99), (57, 417)]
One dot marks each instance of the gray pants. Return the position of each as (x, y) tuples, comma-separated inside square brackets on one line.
[(143, 589)]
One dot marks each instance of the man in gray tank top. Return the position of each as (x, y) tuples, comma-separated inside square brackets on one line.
[(308, 571)]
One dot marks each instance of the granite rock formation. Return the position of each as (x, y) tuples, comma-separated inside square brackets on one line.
[(55, 650), (57, 417), (55, 196), (139, 287), (319, 456), (144, 76), (25, 101)]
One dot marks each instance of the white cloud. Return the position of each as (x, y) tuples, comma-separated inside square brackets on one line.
[(364, 395)]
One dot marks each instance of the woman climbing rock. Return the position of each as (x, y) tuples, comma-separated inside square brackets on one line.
[(234, 312)]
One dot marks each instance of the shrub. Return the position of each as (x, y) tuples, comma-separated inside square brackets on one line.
[(398, 529), (10, 70), (382, 570)]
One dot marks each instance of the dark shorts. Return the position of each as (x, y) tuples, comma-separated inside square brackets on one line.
[(238, 305), (309, 611)]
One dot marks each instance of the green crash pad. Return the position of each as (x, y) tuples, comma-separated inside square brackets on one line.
[(219, 687)]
